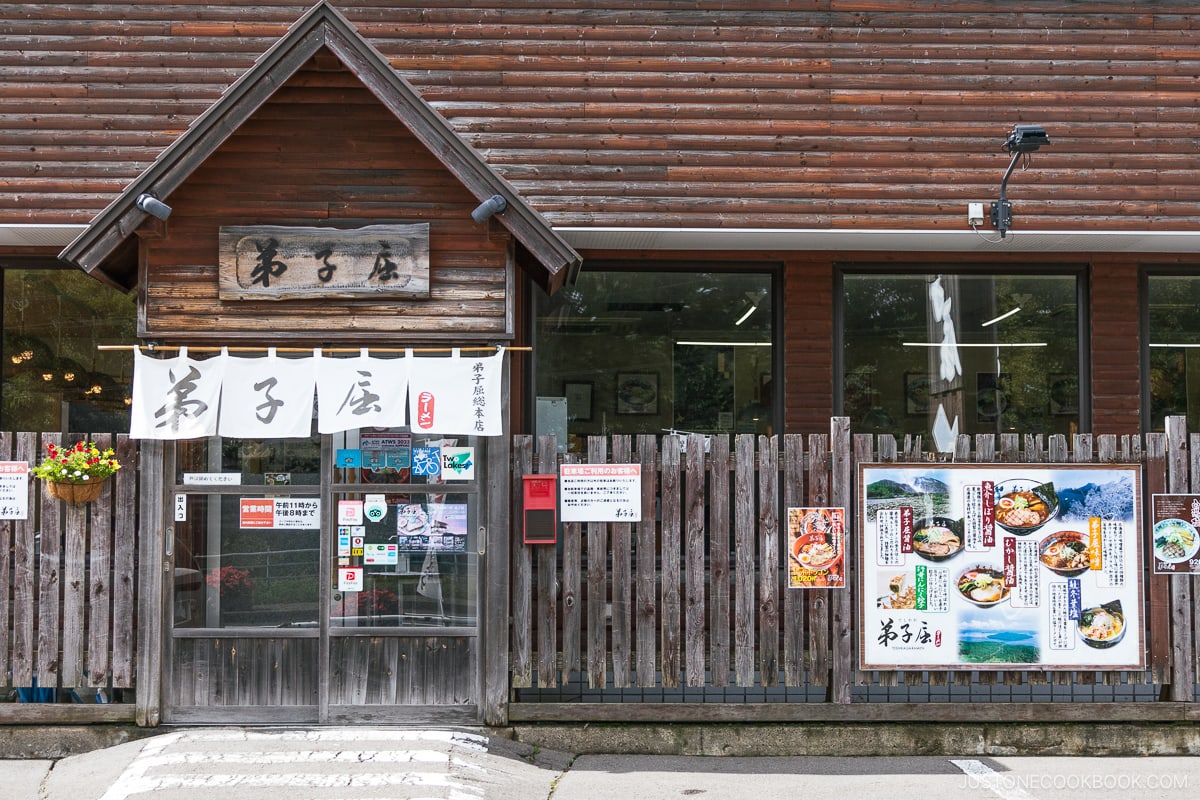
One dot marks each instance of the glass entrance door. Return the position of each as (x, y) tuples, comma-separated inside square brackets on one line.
[(404, 574), (333, 579)]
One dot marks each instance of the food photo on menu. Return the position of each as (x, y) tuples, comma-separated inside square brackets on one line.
[(1002, 566)]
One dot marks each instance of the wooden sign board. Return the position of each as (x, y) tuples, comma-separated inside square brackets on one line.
[(271, 262)]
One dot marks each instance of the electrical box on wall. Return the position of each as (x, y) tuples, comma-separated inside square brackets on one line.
[(540, 493)]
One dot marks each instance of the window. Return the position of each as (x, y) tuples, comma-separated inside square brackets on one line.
[(55, 378), (1173, 361), (934, 354), (630, 352)]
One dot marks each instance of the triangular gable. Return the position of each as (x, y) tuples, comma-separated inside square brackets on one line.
[(104, 247)]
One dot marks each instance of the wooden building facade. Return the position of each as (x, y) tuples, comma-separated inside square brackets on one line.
[(727, 220)]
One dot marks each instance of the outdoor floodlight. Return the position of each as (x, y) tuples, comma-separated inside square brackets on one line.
[(1025, 139), (153, 206), (493, 205), (1022, 140)]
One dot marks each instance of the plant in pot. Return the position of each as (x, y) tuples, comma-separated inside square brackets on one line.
[(77, 473), (234, 585)]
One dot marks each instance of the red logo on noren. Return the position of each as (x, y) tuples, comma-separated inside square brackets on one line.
[(425, 410)]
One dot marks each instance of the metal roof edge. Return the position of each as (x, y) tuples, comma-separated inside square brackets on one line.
[(813, 239)]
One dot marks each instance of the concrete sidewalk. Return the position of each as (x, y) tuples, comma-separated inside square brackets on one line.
[(376, 763)]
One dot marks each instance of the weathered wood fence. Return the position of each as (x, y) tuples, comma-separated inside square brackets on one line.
[(692, 598), (68, 597), (694, 595)]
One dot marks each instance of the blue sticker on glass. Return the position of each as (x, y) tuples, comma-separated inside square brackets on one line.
[(349, 459), (426, 461)]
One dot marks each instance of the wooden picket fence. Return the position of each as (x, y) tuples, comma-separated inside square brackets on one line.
[(68, 594), (662, 604), (690, 599)]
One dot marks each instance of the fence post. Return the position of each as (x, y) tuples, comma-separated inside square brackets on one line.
[(842, 485), (1182, 644), (151, 472)]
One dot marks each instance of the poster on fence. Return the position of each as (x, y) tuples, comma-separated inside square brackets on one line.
[(1174, 540), (816, 546), (14, 490), (998, 566)]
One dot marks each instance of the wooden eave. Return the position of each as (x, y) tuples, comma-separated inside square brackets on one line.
[(101, 247)]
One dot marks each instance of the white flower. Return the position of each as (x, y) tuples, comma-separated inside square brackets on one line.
[(85, 477)]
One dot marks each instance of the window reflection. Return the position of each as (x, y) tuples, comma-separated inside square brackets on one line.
[(55, 378), (1173, 308), (948, 354), (648, 352)]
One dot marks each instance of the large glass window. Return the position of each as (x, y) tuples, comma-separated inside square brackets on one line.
[(1173, 335), (55, 378), (648, 352), (938, 354)]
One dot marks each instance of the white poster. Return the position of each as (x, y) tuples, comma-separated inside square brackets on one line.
[(175, 398), (456, 395), (361, 392), (600, 492), (14, 490), (268, 398), (999, 566)]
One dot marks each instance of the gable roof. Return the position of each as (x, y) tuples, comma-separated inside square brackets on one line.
[(107, 246)]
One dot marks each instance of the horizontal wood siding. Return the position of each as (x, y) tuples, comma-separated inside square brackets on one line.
[(756, 113), (1116, 350), (324, 152), (808, 343)]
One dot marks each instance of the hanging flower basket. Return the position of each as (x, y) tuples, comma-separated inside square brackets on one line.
[(76, 474), (75, 492)]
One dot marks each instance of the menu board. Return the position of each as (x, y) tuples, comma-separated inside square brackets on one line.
[(1174, 536), (997, 566), (816, 538)]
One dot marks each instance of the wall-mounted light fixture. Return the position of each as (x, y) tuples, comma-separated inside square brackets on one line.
[(489, 208), (1022, 140), (153, 206)]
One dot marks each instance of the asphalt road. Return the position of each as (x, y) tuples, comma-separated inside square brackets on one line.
[(370, 763)]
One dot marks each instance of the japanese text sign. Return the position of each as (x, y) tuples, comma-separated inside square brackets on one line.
[(601, 492)]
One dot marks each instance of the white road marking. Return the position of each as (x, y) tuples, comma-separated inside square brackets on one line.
[(985, 777), (164, 751)]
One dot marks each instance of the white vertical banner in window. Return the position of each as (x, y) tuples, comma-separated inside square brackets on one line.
[(268, 398), (175, 398), (456, 395), (360, 392)]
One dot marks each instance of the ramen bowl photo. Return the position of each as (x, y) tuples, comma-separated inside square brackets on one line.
[(1023, 506), (983, 585), (1102, 626), (1175, 540), (938, 538), (813, 551), (1065, 553)]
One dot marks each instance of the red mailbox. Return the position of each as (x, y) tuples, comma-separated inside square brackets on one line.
[(540, 493)]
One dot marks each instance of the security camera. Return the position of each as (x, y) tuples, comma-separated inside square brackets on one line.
[(974, 214), (493, 205), (153, 206)]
